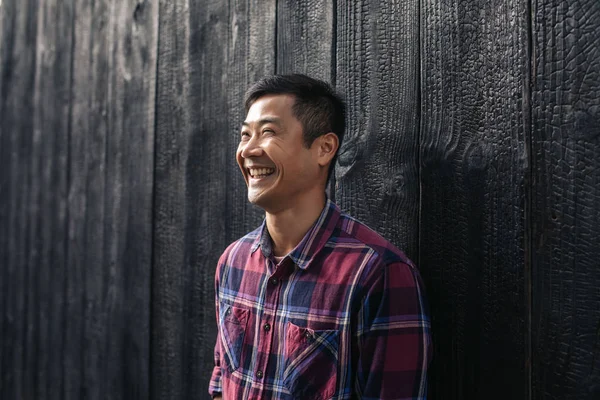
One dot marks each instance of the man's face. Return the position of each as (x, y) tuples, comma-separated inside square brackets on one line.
[(276, 165)]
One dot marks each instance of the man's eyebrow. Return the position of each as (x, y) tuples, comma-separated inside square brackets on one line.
[(263, 121)]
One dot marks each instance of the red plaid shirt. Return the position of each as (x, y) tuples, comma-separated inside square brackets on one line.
[(342, 316)]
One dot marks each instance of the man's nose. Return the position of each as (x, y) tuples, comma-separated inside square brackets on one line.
[(251, 148)]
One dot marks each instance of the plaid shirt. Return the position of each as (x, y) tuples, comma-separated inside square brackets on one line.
[(342, 316)]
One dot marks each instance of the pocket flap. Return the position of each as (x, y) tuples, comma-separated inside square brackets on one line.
[(234, 314), (311, 362)]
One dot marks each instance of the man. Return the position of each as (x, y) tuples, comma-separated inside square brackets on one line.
[(312, 304)]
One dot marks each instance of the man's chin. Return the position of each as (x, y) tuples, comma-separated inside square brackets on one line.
[(256, 199), (262, 200)]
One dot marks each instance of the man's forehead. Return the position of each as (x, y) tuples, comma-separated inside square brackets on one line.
[(269, 119), (270, 108)]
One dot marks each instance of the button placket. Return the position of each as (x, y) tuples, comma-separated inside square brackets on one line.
[(265, 340)]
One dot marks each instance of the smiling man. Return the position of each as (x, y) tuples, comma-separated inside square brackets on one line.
[(312, 304)]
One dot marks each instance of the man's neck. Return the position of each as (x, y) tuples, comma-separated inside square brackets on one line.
[(287, 227)]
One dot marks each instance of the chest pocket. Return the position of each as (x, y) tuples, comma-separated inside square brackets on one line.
[(311, 359), (233, 321)]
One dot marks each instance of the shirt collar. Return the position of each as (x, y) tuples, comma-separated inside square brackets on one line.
[(313, 241)]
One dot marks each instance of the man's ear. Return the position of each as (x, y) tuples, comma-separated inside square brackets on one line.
[(327, 146)]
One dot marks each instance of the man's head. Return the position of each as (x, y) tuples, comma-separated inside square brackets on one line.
[(294, 126)]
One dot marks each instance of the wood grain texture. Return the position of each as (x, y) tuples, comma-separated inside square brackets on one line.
[(86, 315), (76, 324), (19, 212), (377, 73), (209, 52), (473, 176), (110, 229), (566, 200), (173, 128), (110, 200), (44, 309), (306, 39)]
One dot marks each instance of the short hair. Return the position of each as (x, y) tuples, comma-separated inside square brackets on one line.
[(317, 106)]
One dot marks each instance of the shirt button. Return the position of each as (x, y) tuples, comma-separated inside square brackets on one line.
[(267, 327), (259, 374), (274, 281), (307, 335)]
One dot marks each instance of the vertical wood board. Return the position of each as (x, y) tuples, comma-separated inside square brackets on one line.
[(168, 269), (86, 316), (566, 200), (44, 311), (377, 60), (18, 32), (306, 38), (473, 176)]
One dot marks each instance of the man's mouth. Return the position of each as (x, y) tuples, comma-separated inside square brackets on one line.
[(258, 173)]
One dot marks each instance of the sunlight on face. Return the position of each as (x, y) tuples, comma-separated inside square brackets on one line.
[(276, 165)]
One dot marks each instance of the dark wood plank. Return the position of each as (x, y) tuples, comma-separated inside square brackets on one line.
[(87, 163), (305, 38), (173, 127), (110, 220), (18, 30), (377, 72), (473, 178), (128, 220), (183, 167), (48, 207), (209, 52), (566, 200)]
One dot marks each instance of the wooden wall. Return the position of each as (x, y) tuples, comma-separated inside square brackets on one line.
[(77, 116), (473, 143)]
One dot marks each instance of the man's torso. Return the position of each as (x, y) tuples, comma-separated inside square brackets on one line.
[(292, 330)]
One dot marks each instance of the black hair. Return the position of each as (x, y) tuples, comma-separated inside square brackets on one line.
[(318, 107)]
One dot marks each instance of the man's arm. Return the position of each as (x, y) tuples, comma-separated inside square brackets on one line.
[(215, 388), (394, 337)]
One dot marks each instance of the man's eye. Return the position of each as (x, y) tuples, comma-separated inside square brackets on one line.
[(245, 135), (268, 131)]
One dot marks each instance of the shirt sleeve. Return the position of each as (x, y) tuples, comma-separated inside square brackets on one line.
[(393, 336), (214, 387)]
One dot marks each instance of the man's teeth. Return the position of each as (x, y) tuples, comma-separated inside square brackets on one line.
[(261, 171)]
